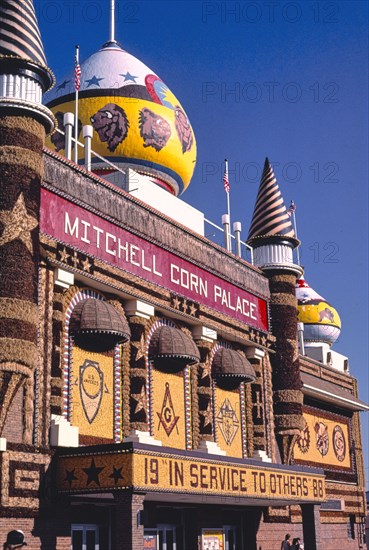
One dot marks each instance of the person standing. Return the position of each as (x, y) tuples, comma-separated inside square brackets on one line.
[(286, 543)]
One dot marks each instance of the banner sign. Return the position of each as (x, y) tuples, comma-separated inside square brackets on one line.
[(79, 228), (155, 472)]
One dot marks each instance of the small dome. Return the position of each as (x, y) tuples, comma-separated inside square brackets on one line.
[(228, 363), (138, 122), (96, 325), (172, 349), (321, 321)]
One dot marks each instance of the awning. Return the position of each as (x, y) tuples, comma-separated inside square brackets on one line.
[(331, 393), (231, 364), (170, 348), (97, 325)]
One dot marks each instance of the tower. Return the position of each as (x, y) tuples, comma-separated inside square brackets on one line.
[(273, 239), (24, 122)]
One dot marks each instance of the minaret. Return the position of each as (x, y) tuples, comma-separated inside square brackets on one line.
[(273, 239), (24, 121)]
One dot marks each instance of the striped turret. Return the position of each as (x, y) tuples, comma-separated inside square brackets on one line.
[(273, 239), (24, 122)]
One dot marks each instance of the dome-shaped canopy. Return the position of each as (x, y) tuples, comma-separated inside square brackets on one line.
[(97, 325), (170, 348), (231, 364), (321, 321), (138, 122)]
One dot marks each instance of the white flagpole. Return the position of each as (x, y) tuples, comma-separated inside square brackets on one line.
[(76, 62), (295, 227), (112, 20), (228, 203)]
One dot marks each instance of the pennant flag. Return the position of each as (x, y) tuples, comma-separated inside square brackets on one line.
[(291, 209), (77, 73), (225, 178)]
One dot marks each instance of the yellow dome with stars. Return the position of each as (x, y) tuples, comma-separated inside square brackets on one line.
[(138, 122), (321, 321)]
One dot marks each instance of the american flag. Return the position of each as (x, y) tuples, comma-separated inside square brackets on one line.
[(225, 178), (291, 209), (77, 73)]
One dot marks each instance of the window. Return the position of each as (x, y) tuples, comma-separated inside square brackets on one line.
[(85, 537)]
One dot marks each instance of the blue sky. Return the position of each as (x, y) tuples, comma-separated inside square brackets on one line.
[(284, 79)]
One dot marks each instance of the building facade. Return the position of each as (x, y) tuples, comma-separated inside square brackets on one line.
[(157, 391)]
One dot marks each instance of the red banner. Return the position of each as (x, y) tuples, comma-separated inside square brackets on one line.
[(79, 228)]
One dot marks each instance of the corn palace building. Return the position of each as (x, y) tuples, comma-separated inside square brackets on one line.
[(157, 391)]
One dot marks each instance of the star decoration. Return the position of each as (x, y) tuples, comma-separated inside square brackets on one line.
[(74, 259), (18, 225), (175, 302), (129, 77), (63, 255), (93, 473), (205, 371), (184, 305), (140, 348), (86, 265), (263, 340), (62, 85), (140, 399), (70, 477), (252, 335), (94, 81), (117, 474), (207, 415), (193, 309), (257, 337)]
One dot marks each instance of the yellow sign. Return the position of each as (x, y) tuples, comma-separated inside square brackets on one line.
[(324, 441), (212, 539), (92, 393), (174, 474), (228, 422)]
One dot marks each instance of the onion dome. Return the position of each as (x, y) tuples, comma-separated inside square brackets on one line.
[(230, 368), (270, 219), (172, 349), (97, 326), (138, 122), (321, 321), (20, 43)]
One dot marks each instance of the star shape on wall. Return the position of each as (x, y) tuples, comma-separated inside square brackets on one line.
[(205, 371), (70, 477), (74, 259), (184, 305), (63, 255), (140, 399), (252, 335), (207, 415), (129, 77), (140, 348), (62, 85), (176, 302), (18, 224), (94, 81), (117, 474), (93, 473), (86, 266), (193, 309), (263, 340)]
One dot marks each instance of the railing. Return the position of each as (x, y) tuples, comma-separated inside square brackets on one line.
[(221, 236)]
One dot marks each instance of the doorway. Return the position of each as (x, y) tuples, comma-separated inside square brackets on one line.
[(85, 537)]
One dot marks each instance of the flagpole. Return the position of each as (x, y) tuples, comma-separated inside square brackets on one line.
[(228, 203), (292, 209), (76, 109)]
